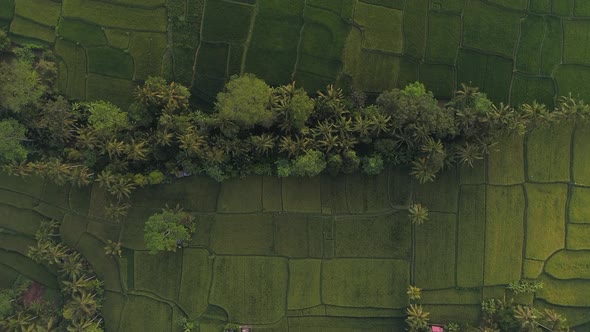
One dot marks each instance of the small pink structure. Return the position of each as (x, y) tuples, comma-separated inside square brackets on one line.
[(436, 328)]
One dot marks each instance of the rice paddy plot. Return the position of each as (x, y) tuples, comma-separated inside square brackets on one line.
[(549, 160), (27, 267), (302, 194), (30, 29), (116, 16), (212, 60), (499, 26), (258, 296), (226, 21), (568, 264), (147, 50), (414, 28), (576, 41), (581, 157), (527, 89), (6, 10), (383, 27), (44, 12), (247, 234), (74, 57), (440, 79), (20, 220), (117, 38), (81, 32), (159, 274), (545, 219), (71, 228), (382, 284), (304, 283), (578, 236), (504, 234), (471, 234), (564, 292), (195, 281), (118, 91), (105, 266), (142, 313), (444, 38), (110, 62), (291, 237)]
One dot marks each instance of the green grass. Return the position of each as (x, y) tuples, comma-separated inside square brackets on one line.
[(386, 236), (549, 160), (71, 229), (250, 289), (304, 283), (19, 220), (565, 292), (367, 193), (572, 79), (145, 314), (301, 194), (117, 38), (105, 266), (26, 28), (41, 11), (28, 268), (396, 4), (232, 199), (578, 236), (104, 230), (576, 42), (62, 76), (79, 200), (377, 71), (81, 32), (440, 79), (568, 264), (75, 60), (581, 159), (306, 73), (527, 89), (110, 62), (229, 231), (114, 16), (529, 56), (290, 235), (56, 195), (435, 251), (159, 274), (579, 210), (212, 60), (551, 53), (116, 90), (195, 282), (226, 22), (506, 162), (500, 28), (383, 27), (147, 50), (545, 225), (471, 234), (440, 195), (133, 225), (382, 283), (504, 234), (532, 269), (444, 36), (135, 3)]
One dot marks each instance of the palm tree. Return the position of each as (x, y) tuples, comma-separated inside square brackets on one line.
[(422, 170), (78, 285), (528, 317), (80, 175), (122, 187), (328, 142), (72, 266), (164, 137), (21, 322), (84, 324), (191, 141), (81, 304), (116, 211), (263, 144), (106, 179), (417, 318), (379, 123), (113, 248), (114, 148), (86, 138), (137, 151), (57, 252)]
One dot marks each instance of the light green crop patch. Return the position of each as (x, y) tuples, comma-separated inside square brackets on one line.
[(492, 74), (114, 16), (41, 11), (147, 50), (448, 5), (471, 234), (159, 274), (578, 236), (117, 38), (260, 282), (582, 8), (26, 28), (572, 79), (383, 27), (549, 160), (435, 251), (545, 224), (135, 3), (291, 235), (504, 234), (75, 59), (532, 269), (81, 32), (444, 36), (142, 313), (382, 283), (344, 324), (576, 42), (564, 292), (579, 209), (226, 21), (568, 264), (386, 236), (527, 89), (500, 28), (304, 283)]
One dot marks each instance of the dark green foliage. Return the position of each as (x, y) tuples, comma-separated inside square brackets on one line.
[(245, 102), (20, 85), (12, 134)]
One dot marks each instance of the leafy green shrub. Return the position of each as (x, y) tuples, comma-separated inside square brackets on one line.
[(310, 164), (168, 230), (12, 134), (373, 165), (155, 177), (106, 119), (20, 85), (245, 101)]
